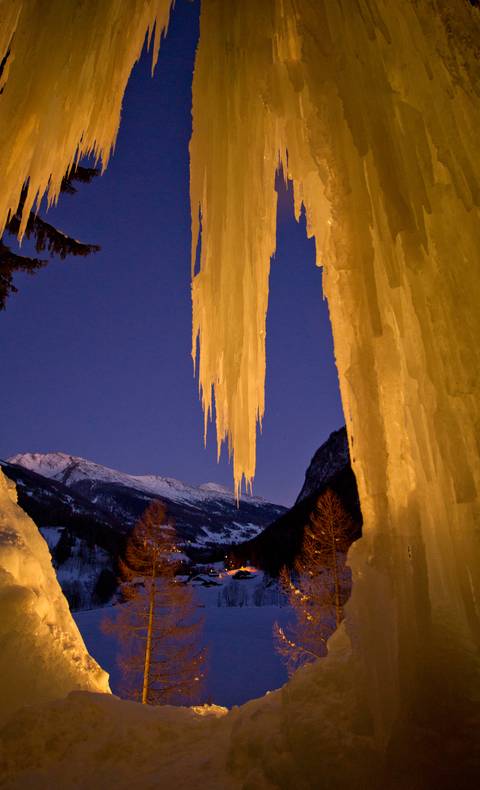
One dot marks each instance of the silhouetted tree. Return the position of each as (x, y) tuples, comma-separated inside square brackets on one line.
[(46, 237), (318, 585), (158, 626)]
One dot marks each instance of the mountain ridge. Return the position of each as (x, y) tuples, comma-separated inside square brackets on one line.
[(280, 542), (69, 469), (331, 457), (85, 512)]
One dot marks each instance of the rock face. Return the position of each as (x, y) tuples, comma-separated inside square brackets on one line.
[(280, 542), (85, 510), (331, 457)]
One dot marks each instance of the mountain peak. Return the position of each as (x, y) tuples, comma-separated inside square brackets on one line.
[(332, 456), (71, 469)]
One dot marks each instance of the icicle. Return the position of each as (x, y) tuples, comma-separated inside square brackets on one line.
[(372, 108), (65, 74), (377, 104), (230, 291)]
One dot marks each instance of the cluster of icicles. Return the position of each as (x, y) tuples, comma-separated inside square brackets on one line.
[(66, 65), (371, 107)]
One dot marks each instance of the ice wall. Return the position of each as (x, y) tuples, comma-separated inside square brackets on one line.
[(66, 68), (42, 654), (373, 109), (297, 738)]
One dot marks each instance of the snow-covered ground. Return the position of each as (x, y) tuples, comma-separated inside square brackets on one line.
[(242, 661), (238, 531), (80, 568)]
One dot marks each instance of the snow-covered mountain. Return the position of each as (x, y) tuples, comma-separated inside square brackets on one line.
[(203, 515), (85, 510), (72, 470)]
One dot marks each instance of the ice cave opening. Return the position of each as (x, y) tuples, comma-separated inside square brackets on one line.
[(249, 618), (378, 107), (243, 662)]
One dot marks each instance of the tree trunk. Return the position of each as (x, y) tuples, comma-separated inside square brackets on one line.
[(338, 607), (148, 649)]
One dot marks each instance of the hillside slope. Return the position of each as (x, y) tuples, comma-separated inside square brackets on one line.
[(280, 542), (85, 510)]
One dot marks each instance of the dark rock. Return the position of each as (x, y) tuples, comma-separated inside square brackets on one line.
[(280, 543)]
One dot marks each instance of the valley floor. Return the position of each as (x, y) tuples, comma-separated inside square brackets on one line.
[(242, 661)]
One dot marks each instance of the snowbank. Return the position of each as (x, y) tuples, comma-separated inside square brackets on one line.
[(42, 654), (312, 733), (298, 737), (87, 740)]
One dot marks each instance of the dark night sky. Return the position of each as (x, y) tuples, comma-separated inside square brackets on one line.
[(97, 349)]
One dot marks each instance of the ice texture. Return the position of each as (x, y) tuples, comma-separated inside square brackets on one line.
[(62, 87), (42, 654), (373, 109)]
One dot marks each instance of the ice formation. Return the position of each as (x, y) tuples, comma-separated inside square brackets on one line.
[(373, 109), (42, 654), (66, 69)]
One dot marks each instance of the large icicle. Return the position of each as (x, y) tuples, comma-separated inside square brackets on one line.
[(66, 68), (228, 171), (377, 104)]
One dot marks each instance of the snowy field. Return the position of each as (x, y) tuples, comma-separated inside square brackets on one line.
[(242, 662)]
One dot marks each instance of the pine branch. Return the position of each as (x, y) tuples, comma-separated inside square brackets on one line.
[(58, 243), (10, 263), (47, 237), (82, 174)]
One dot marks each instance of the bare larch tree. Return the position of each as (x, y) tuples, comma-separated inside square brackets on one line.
[(158, 626), (318, 584)]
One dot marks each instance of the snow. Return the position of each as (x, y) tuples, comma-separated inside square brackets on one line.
[(78, 575), (242, 663), (42, 655), (215, 488), (287, 738), (330, 458), (239, 618), (69, 469), (95, 739), (52, 535), (79, 572), (236, 533)]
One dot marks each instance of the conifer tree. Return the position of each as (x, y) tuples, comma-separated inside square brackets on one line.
[(46, 237), (318, 584), (158, 626)]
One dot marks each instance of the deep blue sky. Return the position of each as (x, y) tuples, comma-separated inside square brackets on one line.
[(96, 351)]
